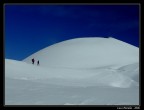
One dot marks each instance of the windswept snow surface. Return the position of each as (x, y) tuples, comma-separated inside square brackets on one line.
[(87, 53), (84, 71)]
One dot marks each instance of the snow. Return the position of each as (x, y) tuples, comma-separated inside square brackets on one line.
[(87, 53), (83, 71)]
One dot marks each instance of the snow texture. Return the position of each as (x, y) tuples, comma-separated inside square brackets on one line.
[(83, 71)]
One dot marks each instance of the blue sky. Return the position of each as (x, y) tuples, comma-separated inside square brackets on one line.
[(29, 28)]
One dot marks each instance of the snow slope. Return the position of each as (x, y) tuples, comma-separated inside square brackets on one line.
[(84, 71), (26, 84), (68, 77), (87, 53), (26, 92)]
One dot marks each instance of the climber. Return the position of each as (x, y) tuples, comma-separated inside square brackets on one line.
[(33, 61)]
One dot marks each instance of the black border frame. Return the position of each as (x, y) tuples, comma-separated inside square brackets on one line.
[(115, 106)]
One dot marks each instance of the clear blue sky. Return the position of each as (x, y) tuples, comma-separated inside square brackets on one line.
[(29, 28)]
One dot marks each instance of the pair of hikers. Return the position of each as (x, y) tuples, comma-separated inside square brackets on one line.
[(33, 60)]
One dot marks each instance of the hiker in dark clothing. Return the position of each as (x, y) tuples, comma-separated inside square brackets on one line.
[(38, 62), (33, 61)]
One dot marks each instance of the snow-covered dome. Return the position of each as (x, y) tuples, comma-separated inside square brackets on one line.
[(87, 53)]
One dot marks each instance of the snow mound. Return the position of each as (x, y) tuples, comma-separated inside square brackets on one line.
[(83, 71), (87, 53)]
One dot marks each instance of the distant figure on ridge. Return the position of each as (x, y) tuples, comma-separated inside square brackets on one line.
[(33, 61), (38, 62)]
